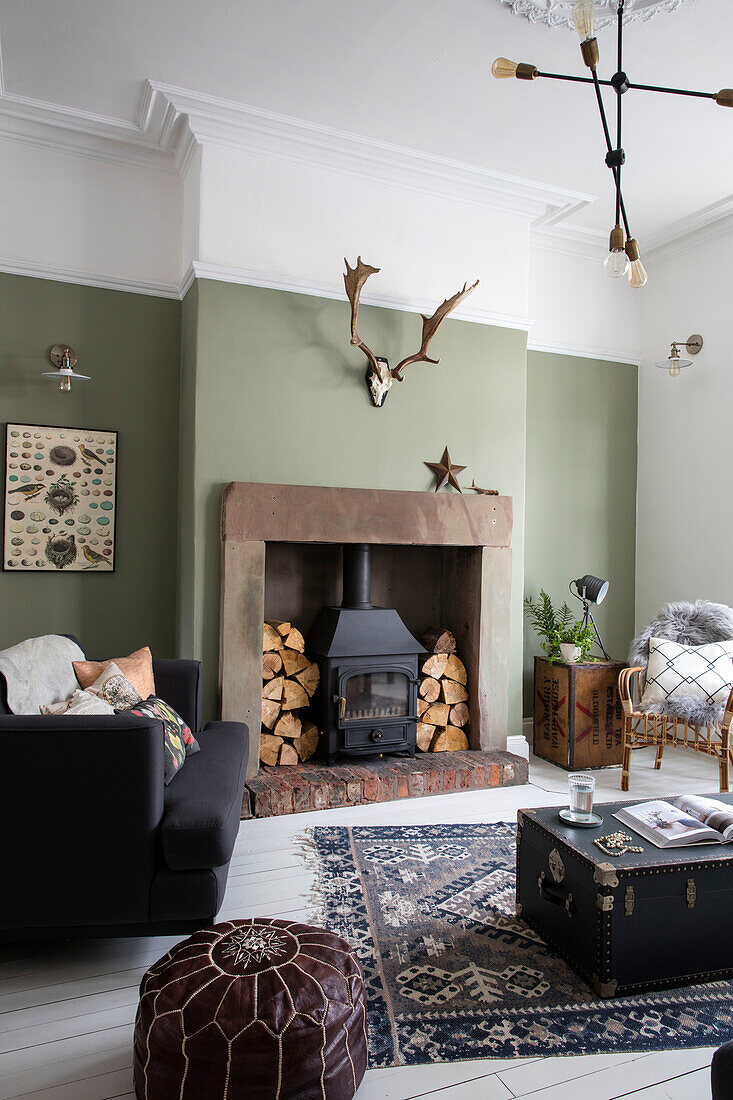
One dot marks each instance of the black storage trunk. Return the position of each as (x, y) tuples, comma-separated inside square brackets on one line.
[(637, 922)]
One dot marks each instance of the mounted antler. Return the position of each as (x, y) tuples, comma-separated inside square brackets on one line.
[(354, 280), (430, 326), (379, 376)]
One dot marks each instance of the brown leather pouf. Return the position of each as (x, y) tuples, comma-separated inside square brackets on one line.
[(252, 1010)]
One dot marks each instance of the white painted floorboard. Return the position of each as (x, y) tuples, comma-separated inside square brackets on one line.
[(66, 1010)]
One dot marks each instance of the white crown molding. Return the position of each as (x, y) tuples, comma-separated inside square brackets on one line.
[(220, 273), (52, 125), (570, 240), (21, 127), (265, 133), (708, 224), (606, 355), (87, 278), (173, 121)]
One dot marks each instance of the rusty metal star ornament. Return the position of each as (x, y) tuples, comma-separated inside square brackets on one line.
[(445, 472)]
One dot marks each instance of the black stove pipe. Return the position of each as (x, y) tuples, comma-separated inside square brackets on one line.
[(357, 576)]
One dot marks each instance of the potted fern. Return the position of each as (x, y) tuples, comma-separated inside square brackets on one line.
[(562, 638)]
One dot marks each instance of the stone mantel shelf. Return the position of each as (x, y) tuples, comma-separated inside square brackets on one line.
[(313, 513), (470, 579)]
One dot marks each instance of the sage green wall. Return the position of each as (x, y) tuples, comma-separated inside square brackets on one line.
[(267, 389), (280, 396), (129, 344), (581, 490), (186, 475)]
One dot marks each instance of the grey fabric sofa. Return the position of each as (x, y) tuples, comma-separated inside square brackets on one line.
[(91, 841)]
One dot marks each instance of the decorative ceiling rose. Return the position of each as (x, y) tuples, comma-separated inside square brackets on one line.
[(556, 13)]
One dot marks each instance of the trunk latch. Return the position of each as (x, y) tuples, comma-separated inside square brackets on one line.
[(691, 893), (629, 901)]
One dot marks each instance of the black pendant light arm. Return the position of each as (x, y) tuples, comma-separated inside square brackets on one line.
[(631, 85), (573, 79), (619, 84), (672, 91), (609, 146)]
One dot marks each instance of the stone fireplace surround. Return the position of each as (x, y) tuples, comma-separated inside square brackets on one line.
[(438, 558)]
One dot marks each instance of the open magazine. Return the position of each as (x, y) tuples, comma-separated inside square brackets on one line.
[(689, 819)]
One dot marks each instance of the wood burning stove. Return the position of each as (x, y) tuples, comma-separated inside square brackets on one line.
[(367, 698)]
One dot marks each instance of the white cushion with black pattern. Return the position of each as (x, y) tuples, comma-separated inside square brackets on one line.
[(705, 671)]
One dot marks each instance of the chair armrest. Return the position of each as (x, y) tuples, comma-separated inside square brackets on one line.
[(728, 712), (625, 686)]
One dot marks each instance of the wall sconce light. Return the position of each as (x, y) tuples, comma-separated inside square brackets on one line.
[(675, 362), (64, 359)]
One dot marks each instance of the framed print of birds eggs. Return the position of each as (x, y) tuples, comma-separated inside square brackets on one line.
[(60, 499)]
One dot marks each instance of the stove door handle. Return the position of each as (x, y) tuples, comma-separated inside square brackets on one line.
[(342, 707)]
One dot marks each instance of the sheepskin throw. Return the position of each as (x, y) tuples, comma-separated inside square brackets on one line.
[(39, 671), (689, 624), (81, 702)]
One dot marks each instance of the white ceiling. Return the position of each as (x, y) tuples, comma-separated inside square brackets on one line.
[(412, 72)]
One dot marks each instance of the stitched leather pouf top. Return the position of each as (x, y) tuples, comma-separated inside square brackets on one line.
[(252, 1010)]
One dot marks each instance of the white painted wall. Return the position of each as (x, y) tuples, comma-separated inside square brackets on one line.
[(296, 222), (274, 201), (578, 310), (70, 215), (685, 453), (191, 212)]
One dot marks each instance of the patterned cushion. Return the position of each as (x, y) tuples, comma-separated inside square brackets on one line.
[(705, 671), (257, 1009), (113, 686), (138, 668), (179, 741)]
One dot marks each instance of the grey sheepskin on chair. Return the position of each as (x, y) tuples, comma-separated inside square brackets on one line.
[(689, 624)]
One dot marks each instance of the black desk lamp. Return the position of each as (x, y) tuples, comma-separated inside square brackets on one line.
[(590, 590)]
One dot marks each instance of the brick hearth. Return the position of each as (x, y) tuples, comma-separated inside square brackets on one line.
[(281, 790)]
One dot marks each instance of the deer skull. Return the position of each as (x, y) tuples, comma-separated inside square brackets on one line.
[(379, 375), (379, 381)]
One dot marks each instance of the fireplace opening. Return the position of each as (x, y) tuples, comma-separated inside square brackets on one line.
[(368, 659)]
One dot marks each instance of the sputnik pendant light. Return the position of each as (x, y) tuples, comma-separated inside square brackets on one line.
[(624, 256)]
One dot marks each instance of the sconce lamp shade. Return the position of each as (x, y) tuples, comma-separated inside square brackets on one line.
[(675, 362), (64, 359), (591, 588)]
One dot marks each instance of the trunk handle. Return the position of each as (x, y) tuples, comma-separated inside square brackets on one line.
[(554, 895)]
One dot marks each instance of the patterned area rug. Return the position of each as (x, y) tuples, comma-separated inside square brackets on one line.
[(451, 974)]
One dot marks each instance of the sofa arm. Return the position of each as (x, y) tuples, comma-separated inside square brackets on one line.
[(81, 801), (178, 683)]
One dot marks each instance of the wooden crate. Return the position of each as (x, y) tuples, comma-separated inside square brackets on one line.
[(577, 714)]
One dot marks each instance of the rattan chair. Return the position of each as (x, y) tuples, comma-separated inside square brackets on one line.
[(642, 729)]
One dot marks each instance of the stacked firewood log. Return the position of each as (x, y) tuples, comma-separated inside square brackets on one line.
[(289, 681), (442, 708)]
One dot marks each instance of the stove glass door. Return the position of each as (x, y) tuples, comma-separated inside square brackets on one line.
[(375, 694)]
